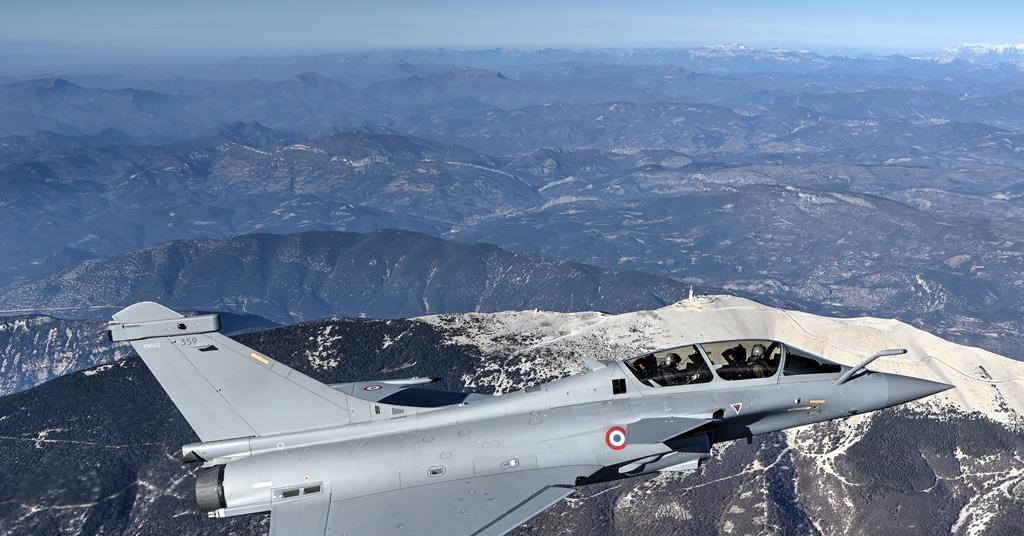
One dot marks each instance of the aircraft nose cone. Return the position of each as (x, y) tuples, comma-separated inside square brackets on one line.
[(903, 389)]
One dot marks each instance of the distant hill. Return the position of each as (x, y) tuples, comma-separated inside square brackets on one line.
[(234, 179), (45, 141), (317, 274), (136, 111)]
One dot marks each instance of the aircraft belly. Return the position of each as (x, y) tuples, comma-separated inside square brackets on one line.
[(487, 506)]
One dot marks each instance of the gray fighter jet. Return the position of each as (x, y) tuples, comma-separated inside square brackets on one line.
[(388, 458)]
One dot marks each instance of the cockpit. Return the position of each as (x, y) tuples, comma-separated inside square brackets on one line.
[(729, 360), (678, 366)]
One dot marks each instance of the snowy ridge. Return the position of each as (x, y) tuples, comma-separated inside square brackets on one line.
[(830, 478), (983, 52), (35, 349), (549, 343)]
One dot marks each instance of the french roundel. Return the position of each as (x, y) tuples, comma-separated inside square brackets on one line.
[(372, 388), (615, 437)]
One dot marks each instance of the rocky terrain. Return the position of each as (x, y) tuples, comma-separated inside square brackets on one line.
[(110, 467), (34, 349)]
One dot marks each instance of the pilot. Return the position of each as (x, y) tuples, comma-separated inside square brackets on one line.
[(756, 362), (664, 369), (673, 373)]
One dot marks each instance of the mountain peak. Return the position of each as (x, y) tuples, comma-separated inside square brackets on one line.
[(251, 133), (314, 79), (411, 274), (719, 317), (983, 52), (54, 85), (470, 73)]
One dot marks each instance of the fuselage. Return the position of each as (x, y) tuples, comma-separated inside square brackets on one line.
[(580, 424)]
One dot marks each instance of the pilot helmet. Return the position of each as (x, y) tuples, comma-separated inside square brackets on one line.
[(757, 352)]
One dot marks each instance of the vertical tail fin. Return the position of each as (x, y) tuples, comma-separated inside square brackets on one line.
[(222, 388)]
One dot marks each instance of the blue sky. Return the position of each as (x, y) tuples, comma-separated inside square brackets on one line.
[(868, 25)]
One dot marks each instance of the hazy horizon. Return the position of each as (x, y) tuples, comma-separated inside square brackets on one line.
[(26, 59), (61, 34)]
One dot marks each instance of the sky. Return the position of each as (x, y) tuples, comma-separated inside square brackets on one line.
[(145, 26)]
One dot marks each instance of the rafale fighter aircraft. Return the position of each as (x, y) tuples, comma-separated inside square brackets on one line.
[(388, 458)]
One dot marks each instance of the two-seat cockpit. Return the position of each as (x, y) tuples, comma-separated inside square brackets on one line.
[(728, 360)]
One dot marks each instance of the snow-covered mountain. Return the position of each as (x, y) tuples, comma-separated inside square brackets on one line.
[(551, 342), (959, 453), (984, 53), (37, 348), (105, 440)]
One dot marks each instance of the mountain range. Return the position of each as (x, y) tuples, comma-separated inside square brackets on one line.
[(833, 252), (984, 52), (320, 273), (797, 226), (105, 440)]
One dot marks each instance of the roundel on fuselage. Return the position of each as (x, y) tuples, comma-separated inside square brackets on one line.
[(615, 438)]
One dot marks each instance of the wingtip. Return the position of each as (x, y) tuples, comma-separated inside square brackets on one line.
[(146, 311)]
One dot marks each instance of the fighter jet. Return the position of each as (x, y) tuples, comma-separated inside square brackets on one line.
[(392, 458)]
